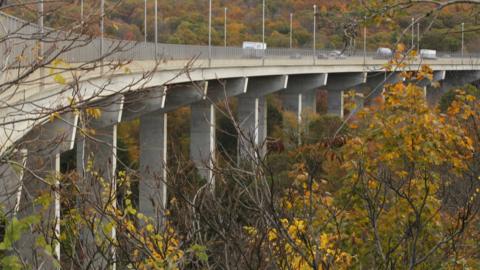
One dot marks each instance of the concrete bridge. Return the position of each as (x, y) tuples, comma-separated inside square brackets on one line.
[(184, 76)]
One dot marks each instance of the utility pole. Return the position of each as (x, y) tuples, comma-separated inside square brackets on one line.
[(314, 34), (291, 30), (209, 32), (145, 22), (225, 29)]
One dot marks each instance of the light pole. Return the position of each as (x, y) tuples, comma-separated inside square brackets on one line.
[(418, 36), (463, 39), (314, 33), (413, 32), (263, 22), (225, 28), (209, 32), (263, 33), (41, 26), (365, 41), (102, 26), (156, 28), (81, 11), (145, 22), (291, 30)]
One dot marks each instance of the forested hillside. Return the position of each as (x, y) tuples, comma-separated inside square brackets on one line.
[(186, 22)]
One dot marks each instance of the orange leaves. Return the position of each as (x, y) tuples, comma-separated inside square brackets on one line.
[(400, 48), (425, 72), (405, 129)]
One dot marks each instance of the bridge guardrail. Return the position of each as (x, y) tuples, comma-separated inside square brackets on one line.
[(19, 44)]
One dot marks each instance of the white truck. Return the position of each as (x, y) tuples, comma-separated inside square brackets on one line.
[(428, 54), (384, 53), (254, 49)]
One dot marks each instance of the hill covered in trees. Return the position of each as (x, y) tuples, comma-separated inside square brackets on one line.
[(186, 22)]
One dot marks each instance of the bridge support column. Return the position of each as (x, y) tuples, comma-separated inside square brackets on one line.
[(301, 93), (202, 139), (97, 165), (252, 115), (153, 166), (11, 186), (450, 80), (47, 167), (335, 102), (43, 144), (336, 85)]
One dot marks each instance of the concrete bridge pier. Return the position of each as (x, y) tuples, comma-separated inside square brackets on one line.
[(203, 124), (252, 115), (202, 139), (152, 108), (301, 93), (153, 166), (97, 165), (337, 84), (451, 79), (44, 145), (438, 76), (11, 186)]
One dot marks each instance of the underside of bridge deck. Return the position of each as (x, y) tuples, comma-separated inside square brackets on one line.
[(99, 149)]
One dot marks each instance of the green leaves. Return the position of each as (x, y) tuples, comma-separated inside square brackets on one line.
[(10, 263), (15, 228), (199, 252)]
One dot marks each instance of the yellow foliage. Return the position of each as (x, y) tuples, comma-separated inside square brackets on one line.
[(95, 113)]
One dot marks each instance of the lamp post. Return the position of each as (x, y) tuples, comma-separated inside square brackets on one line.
[(145, 21), (41, 26), (225, 28), (291, 30), (263, 32), (463, 39), (263, 21), (418, 36), (81, 11), (365, 41), (102, 26), (156, 28), (413, 32), (209, 32), (314, 33)]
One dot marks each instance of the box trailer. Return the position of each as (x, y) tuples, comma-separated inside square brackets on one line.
[(428, 54), (254, 49)]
